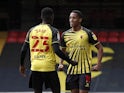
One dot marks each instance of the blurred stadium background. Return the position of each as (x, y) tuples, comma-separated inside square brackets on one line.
[(104, 17)]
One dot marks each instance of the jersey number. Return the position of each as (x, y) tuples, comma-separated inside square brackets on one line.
[(45, 39)]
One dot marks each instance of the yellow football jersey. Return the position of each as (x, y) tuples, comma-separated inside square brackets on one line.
[(78, 46), (41, 38)]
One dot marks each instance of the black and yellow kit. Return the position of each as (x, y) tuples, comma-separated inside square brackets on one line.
[(78, 46), (40, 39)]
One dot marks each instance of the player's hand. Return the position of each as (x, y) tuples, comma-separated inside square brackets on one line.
[(96, 67), (60, 67), (73, 63), (22, 70)]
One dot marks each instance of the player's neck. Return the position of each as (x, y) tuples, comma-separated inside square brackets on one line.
[(77, 28), (44, 22)]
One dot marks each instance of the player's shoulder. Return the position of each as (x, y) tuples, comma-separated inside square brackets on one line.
[(86, 29), (34, 27), (53, 28), (67, 31)]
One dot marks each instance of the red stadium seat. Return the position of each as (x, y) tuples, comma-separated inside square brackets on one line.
[(113, 36), (102, 39), (102, 36), (113, 39), (21, 37), (121, 37), (12, 36), (121, 34)]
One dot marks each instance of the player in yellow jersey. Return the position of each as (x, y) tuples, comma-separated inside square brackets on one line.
[(77, 42), (43, 42)]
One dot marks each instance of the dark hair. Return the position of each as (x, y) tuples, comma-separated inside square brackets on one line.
[(78, 12), (47, 14)]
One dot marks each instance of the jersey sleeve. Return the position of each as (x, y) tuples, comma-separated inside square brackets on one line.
[(92, 38), (24, 48), (27, 36), (62, 42), (55, 35)]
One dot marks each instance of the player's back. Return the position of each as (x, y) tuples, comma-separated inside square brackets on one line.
[(42, 54)]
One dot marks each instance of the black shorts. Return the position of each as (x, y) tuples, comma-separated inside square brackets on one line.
[(50, 79), (78, 81)]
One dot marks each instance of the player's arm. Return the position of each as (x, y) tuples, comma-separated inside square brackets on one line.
[(61, 66), (93, 39), (62, 55), (99, 56), (22, 58), (24, 49)]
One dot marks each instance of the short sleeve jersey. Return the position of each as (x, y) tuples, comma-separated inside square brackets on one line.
[(78, 46), (40, 39)]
